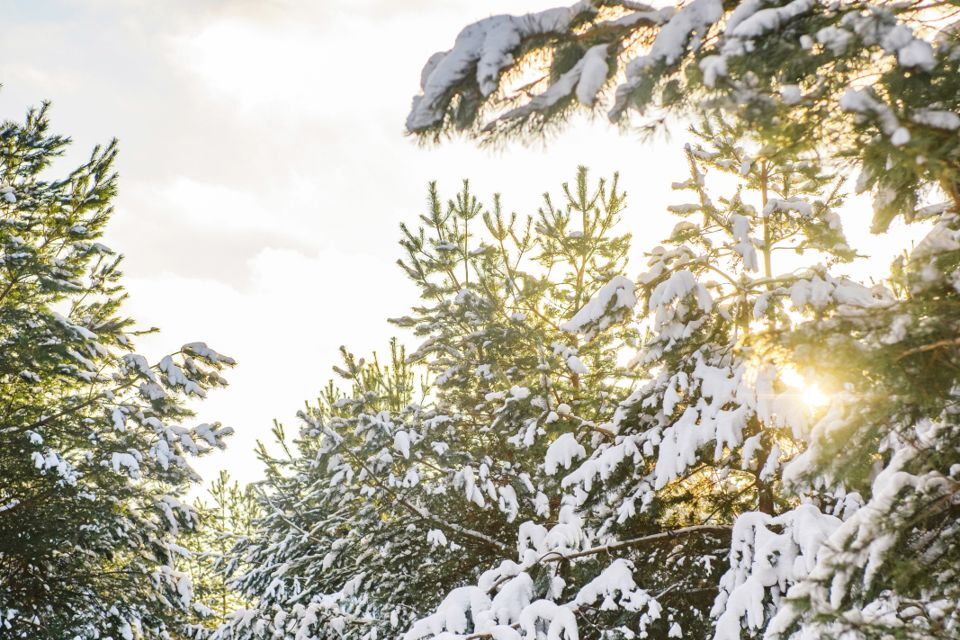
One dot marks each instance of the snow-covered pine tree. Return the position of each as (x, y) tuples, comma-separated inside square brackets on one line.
[(725, 410), (93, 457), (892, 435), (509, 338), (332, 515), (697, 446), (871, 86), (226, 516), (387, 505)]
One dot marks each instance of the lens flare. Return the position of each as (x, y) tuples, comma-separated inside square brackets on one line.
[(813, 396), (810, 392)]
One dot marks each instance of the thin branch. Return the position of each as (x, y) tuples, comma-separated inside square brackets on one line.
[(655, 537), (953, 342)]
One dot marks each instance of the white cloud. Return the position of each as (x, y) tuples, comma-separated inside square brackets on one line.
[(255, 67)]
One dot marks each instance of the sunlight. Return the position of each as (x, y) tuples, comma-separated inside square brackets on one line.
[(813, 396), (810, 392)]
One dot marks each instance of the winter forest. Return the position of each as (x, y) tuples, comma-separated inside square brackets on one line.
[(753, 432)]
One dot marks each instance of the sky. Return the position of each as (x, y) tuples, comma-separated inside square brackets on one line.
[(264, 172)]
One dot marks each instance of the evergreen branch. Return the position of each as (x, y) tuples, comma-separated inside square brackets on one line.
[(939, 344), (423, 514), (553, 556)]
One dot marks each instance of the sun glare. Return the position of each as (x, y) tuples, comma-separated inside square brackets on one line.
[(813, 396), (810, 392)]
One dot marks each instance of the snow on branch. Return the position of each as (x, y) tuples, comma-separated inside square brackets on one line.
[(604, 308), (483, 49), (849, 557), (419, 511), (513, 614), (673, 534), (584, 80), (689, 23), (767, 554)]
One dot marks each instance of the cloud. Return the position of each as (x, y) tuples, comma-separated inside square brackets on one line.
[(258, 68), (231, 210)]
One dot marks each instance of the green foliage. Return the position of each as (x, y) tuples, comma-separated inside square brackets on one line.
[(92, 458), (226, 519), (496, 289), (409, 498)]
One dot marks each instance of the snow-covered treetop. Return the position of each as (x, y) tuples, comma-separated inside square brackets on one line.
[(390, 504)]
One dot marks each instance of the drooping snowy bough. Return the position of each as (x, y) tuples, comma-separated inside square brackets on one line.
[(867, 80)]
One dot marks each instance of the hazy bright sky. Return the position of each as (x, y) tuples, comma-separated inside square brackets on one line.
[(264, 171)]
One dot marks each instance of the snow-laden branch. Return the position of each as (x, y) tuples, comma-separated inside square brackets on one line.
[(422, 513), (614, 299), (702, 529), (483, 50), (584, 81)]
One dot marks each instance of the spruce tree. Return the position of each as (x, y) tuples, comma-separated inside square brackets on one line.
[(94, 456)]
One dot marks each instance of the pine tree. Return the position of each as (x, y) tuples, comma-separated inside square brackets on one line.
[(868, 87), (226, 519), (691, 471), (93, 457), (328, 511), (891, 435), (412, 500)]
